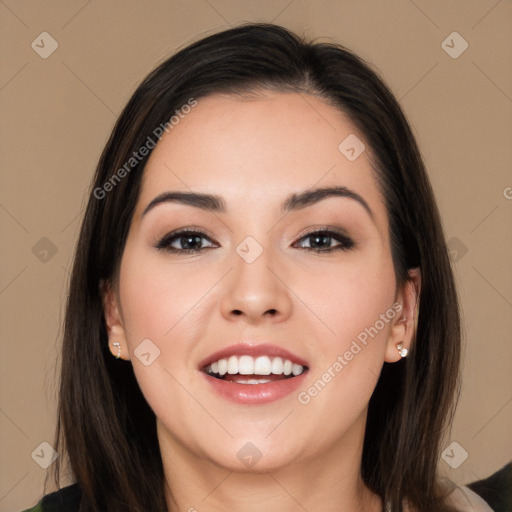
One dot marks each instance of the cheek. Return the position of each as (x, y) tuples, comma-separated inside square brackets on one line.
[(160, 303), (354, 303), (349, 298), (158, 298)]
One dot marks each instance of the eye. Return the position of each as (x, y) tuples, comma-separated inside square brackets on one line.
[(320, 241), (189, 240)]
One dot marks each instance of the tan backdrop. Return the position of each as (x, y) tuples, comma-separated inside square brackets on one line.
[(68, 68)]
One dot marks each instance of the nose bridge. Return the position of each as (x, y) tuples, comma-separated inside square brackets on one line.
[(253, 289)]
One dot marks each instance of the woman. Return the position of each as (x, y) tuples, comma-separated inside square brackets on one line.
[(262, 311)]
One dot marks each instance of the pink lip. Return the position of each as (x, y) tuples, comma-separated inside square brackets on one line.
[(255, 394), (242, 349)]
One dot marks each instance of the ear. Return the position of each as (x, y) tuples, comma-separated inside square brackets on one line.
[(114, 322), (403, 325)]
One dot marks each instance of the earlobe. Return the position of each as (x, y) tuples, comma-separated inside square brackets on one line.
[(114, 323), (403, 328)]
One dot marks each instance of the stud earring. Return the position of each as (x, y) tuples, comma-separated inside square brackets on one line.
[(401, 350), (118, 345)]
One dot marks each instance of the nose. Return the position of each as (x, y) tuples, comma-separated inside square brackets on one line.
[(256, 292)]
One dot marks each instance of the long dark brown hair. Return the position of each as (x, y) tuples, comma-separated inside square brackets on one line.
[(105, 426)]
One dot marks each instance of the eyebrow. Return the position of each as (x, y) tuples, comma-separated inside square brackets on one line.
[(294, 202)]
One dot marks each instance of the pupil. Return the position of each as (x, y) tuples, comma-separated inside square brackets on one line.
[(187, 239), (316, 238)]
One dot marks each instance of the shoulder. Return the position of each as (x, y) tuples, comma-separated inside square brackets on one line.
[(66, 499), (465, 500)]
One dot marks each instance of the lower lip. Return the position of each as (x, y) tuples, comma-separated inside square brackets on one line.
[(256, 394)]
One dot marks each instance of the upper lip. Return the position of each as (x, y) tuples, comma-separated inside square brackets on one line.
[(243, 349)]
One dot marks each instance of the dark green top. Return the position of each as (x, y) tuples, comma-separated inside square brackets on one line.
[(66, 499), (497, 489)]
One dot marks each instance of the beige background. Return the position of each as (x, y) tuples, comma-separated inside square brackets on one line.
[(56, 114)]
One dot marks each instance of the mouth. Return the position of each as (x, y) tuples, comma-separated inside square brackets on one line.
[(246, 369), (254, 374)]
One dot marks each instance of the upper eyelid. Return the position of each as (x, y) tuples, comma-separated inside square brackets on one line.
[(201, 231), (324, 229)]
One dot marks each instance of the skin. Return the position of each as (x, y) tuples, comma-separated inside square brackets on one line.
[(254, 152)]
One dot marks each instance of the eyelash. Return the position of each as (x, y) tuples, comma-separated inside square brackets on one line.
[(346, 242)]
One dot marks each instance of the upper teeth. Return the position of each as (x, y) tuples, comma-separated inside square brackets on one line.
[(247, 365)]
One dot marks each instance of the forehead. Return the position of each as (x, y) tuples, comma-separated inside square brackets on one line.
[(259, 148)]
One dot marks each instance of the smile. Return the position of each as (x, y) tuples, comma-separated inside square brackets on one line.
[(253, 374)]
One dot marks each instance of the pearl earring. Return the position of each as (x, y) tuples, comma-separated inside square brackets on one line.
[(401, 350), (118, 345)]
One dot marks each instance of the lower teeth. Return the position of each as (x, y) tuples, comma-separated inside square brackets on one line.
[(249, 380), (253, 381)]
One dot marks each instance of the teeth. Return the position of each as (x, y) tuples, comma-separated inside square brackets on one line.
[(253, 381), (223, 366), (247, 365), (233, 365), (277, 366), (262, 366), (297, 369)]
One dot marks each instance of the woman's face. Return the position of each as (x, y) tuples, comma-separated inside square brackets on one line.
[(252, 277)]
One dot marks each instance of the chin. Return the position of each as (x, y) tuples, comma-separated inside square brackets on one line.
[(258, 455)]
